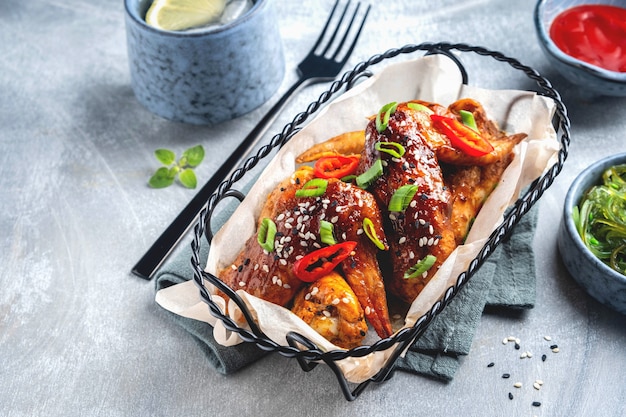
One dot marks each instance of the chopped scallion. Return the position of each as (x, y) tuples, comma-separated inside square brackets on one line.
[(326, 232), (402, 197), (370, 231), (368, 177), (420, 267), (266, 234), (313, 188), (392, 148)]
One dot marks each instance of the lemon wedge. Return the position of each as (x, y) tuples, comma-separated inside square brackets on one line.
[(184, 14)]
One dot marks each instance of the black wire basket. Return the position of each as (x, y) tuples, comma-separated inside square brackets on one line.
[(309, 357)]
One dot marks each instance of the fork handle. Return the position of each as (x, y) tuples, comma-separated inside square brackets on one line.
[(169, 239)]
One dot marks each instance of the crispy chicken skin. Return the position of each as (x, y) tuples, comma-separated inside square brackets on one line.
[(424, 227), (331, 308), (270, 276)]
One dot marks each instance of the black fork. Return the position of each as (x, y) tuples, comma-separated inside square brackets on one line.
[(316, 67)]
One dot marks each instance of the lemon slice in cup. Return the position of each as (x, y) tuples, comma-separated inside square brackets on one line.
[(184, 14)]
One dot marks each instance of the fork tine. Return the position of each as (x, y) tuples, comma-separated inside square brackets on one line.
[(330, 17), (337, 26), (356, 35)]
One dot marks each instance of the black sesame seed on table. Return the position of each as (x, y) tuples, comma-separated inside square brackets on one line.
[(510, 396), (491, 364), (543, 358), (505, 376), (536, 404)]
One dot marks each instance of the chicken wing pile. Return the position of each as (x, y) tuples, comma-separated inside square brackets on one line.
[(377, 215)]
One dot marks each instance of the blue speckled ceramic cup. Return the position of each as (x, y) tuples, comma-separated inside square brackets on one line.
[(205, 76)]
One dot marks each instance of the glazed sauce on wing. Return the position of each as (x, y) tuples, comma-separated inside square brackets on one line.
[(595, 34)]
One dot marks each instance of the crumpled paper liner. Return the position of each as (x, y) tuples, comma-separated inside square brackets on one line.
[(433, 78)]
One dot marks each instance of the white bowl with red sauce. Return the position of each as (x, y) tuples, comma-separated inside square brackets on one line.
[(581, 38)]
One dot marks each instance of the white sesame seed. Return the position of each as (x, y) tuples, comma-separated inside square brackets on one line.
[(317, 245), (359, 232), (539, 381), (431, 230), (345, 300), (367, 310), (274, 279), (505, 341), (402, 240), (298, 257), (266, 268), (548, 338), (413, 203), (555, 350), (392, 216), (334, 219), (411, 255), (279, 282), (512, 339), (326, 313), (233, 267), (280, 217), (517, 341), (242, 284), (536, 386), (303, 243), (283, 262), (307, 297), (523, 355), (288, 225), (530, 354), (256, 267), (335, 301), (431, 241), (314, 290), (344, 236), (286, 286), (518, 385), (425, 274), (422, 222)]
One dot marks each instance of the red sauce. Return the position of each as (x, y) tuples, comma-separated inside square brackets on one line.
[(595, 34)]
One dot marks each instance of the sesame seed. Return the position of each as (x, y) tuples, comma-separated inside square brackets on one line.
[(511, 338), (411, 255), (431, 230), (266, 268), (334, 219), (536, 386), (422, 222), (274, 279), (539, 381), (547, 338), (280, 217), (505, 341), (303, 243), (523, 355), (402, 240), (554, 346), (510, 396), (543, 358), (286, 286), (279, 282), (307, 297), (490, 364), (335, 301), (413, 203), (233, 267), (517, 346), (326, 313), (345, 300), (506, 376), (242, 284), (536, 404), (314, 290), (431, 241), (518, 385), (256, 267), (392, 216), (367, 310), (555, 350), (529, 354), (283, 262), (288, 225)]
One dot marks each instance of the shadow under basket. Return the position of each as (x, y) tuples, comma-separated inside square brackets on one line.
[(302, 349)]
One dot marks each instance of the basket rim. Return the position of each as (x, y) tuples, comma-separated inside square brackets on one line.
[(405, 336)]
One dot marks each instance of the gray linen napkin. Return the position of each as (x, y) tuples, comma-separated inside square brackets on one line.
[(505, 280)]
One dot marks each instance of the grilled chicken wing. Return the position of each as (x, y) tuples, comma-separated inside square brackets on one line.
[(270, 275), (423, 228), (331, 308)]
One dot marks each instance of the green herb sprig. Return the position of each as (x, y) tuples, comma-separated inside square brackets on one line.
[(183, 168)]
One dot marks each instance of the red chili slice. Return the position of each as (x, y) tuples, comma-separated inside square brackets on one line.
[(318, 263), (336, 166), (462, 137)]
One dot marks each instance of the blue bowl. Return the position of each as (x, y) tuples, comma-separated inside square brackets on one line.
[(584, 75), (599, 280)]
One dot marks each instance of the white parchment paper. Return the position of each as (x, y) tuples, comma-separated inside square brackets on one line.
[(433, 78)]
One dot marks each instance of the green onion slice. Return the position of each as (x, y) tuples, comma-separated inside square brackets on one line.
[(419, 107), (402, 197), (368, 177), (392, 148), (266, 234), (468, 119), (313, 188), (420, 267), (326, 232), (368, 227), (382, 118)]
